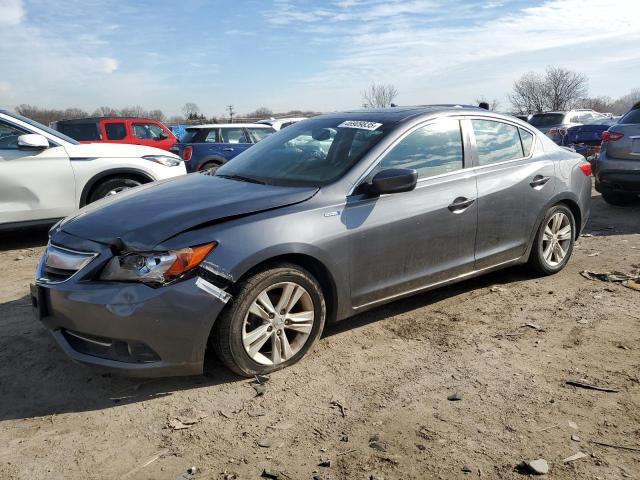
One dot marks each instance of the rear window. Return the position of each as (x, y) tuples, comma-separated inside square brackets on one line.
[(115, 131), (633, 116), (82, 132), (189, 135), (546, 119)]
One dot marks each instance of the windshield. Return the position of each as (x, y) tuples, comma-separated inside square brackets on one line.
[(603, 121), (546, 119), (50, 131), (314, 152)]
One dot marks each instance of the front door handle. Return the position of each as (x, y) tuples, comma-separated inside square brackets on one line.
[(227, 149), (539, 181), (460, 204)]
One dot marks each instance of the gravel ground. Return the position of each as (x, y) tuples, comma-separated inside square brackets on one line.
[(371, 400)]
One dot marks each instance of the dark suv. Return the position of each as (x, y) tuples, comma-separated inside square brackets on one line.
[(207, 147), (617, 168)]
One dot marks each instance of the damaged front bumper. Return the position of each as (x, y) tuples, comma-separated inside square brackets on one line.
[(131, 328)]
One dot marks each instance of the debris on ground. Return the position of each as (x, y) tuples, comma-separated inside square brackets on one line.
[(629, 280), (336, 404), (259, 388), (325, 463), (534, 326), (264, 442), (572, 424), (611, 445), (497, 289), (575, 438), (261, 379), (466, 469), (590, 386), (188, 475), (268, 473), (574, 457), (538, 466), (455, 397), (594, 254)]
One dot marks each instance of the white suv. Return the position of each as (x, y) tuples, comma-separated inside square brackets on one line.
[(45, 175)]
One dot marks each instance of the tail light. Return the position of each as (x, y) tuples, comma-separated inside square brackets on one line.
[(186, 153), (553, 132), (586, 168), (608, 136), (562, 131)]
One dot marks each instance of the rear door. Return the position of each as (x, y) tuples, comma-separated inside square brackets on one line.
[(115, 131), (515, 182), (34, 185), (407, 241), (234, 140)]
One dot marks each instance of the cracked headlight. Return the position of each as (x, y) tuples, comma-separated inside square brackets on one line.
[(155, 267), (166, 160)]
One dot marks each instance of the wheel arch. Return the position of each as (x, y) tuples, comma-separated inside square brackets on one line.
[(313, 265), (210, 159), (131, 173)]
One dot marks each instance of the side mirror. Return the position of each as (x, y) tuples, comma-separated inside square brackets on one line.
[(32, 141), (394, 180)]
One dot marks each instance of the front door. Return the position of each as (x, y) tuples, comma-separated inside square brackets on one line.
[(406, 241), (514, 185), (34, 185), (233, 140)]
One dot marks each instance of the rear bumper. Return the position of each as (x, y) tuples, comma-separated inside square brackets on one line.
[(616, 175), (131, 329)]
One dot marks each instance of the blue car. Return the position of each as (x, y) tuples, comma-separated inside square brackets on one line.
[(586, 139), (207, 147)]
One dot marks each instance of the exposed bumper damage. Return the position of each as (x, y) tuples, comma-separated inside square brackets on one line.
[(130, 327)]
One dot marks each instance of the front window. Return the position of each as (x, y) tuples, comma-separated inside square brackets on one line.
[(316, 152), (46, 129), (148, 131), (9, 136), (432, 150), (260, 133), (546, 119)]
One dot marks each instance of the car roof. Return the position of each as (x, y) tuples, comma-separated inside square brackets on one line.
[(237, 125), (97, 119), (401, 114)]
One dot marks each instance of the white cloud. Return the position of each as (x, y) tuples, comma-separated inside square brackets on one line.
[(11, 12), (418, 44)]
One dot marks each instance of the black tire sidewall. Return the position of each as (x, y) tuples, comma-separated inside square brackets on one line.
[(540, 261), (101, 190), (241, 305)]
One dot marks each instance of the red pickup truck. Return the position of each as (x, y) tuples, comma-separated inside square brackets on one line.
[(138, 131)]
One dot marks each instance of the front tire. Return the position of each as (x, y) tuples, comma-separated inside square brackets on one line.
[(274, 319), (554, 241), (111, 187)]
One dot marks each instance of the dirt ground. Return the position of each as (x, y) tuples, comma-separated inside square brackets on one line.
[(371, 398)]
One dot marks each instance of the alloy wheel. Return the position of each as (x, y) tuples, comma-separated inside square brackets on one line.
[(556, 239), (278, 324)]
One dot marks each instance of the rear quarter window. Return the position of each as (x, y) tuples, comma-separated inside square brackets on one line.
[(633, 116), (189, 135), (82, 132)]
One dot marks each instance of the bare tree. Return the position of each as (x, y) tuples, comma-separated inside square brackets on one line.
[(262, 112), (190, 110), (134, 111), (379, 96), (156, 115), (624, 103), (105, 111), (558, 89)]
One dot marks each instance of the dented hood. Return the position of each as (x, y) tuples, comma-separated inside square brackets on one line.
[(145, 216)]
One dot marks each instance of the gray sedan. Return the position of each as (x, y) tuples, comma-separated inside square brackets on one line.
[(325, 219)]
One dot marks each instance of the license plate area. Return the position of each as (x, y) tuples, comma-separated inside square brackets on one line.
[(38, 301), (635, 146)]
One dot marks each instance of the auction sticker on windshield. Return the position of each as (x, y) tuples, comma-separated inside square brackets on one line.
[(360, 124)]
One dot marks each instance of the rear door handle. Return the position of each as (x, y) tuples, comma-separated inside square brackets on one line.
[(227, 149), (460, 204), (539, 181)]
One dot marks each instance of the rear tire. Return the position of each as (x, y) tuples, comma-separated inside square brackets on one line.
[(210, 167), (251, 343), (554, 241), (618, 199), (112, 186)]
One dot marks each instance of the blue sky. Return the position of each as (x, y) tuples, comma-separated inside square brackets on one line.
[(303, 54)]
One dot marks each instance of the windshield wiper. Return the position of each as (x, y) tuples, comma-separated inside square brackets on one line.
[(241, 178)]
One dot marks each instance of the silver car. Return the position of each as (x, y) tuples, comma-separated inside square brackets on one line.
[(617, 168), (327, 218)]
